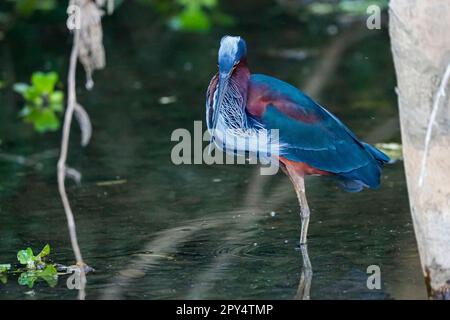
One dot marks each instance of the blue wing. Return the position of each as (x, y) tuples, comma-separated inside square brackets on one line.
[(312, 134)]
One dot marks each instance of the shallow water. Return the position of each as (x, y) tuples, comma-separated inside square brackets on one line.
[(197, 231)]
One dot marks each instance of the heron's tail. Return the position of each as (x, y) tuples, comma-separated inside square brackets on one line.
[(366, 176)]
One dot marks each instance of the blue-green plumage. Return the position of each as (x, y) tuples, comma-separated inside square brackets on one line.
[(312, 135)]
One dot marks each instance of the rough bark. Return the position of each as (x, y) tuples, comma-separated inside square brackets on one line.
[(420, 40)]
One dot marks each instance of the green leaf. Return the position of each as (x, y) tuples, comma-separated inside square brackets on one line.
[(57, 97), (44, 82), (50, 275), (5, 267), (37, 79), (43, 120), (27, 279), (31, 94), (56, 100), (38, 101), (31, 114), (44, 252), (26, 257), (47, 121)]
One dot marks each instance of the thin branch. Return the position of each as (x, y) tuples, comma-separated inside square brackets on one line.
[(71, 104), (88, 48), (439, 94)]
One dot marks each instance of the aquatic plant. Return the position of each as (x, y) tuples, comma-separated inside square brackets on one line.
[(36, 267), (49, 274), (26, 257), (42, 101), (31, 268)]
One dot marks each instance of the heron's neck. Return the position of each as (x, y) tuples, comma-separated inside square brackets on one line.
[(235, 100)]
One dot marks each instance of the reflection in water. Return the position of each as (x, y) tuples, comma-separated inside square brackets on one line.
[(155, 252), (304, 286)]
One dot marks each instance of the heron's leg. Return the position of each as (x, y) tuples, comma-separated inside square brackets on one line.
[(304, 287), (304, 216), (299, 185)]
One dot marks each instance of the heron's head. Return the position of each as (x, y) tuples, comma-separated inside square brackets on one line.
[(232, 50)]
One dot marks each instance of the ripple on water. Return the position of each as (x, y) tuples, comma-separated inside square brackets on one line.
[(235, 234)]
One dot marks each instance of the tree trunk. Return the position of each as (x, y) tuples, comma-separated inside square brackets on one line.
[(420, 40)]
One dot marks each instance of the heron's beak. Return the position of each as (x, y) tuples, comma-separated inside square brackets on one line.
[(221, 89)]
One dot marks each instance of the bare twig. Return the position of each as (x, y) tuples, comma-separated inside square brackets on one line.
[(71, 104), (88, 48), (439, 94)]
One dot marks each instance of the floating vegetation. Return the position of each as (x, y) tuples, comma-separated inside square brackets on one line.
[(26, 257), (48, 274), (33, 268)]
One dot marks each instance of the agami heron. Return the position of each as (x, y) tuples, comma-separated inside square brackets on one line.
[(311, 140)]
